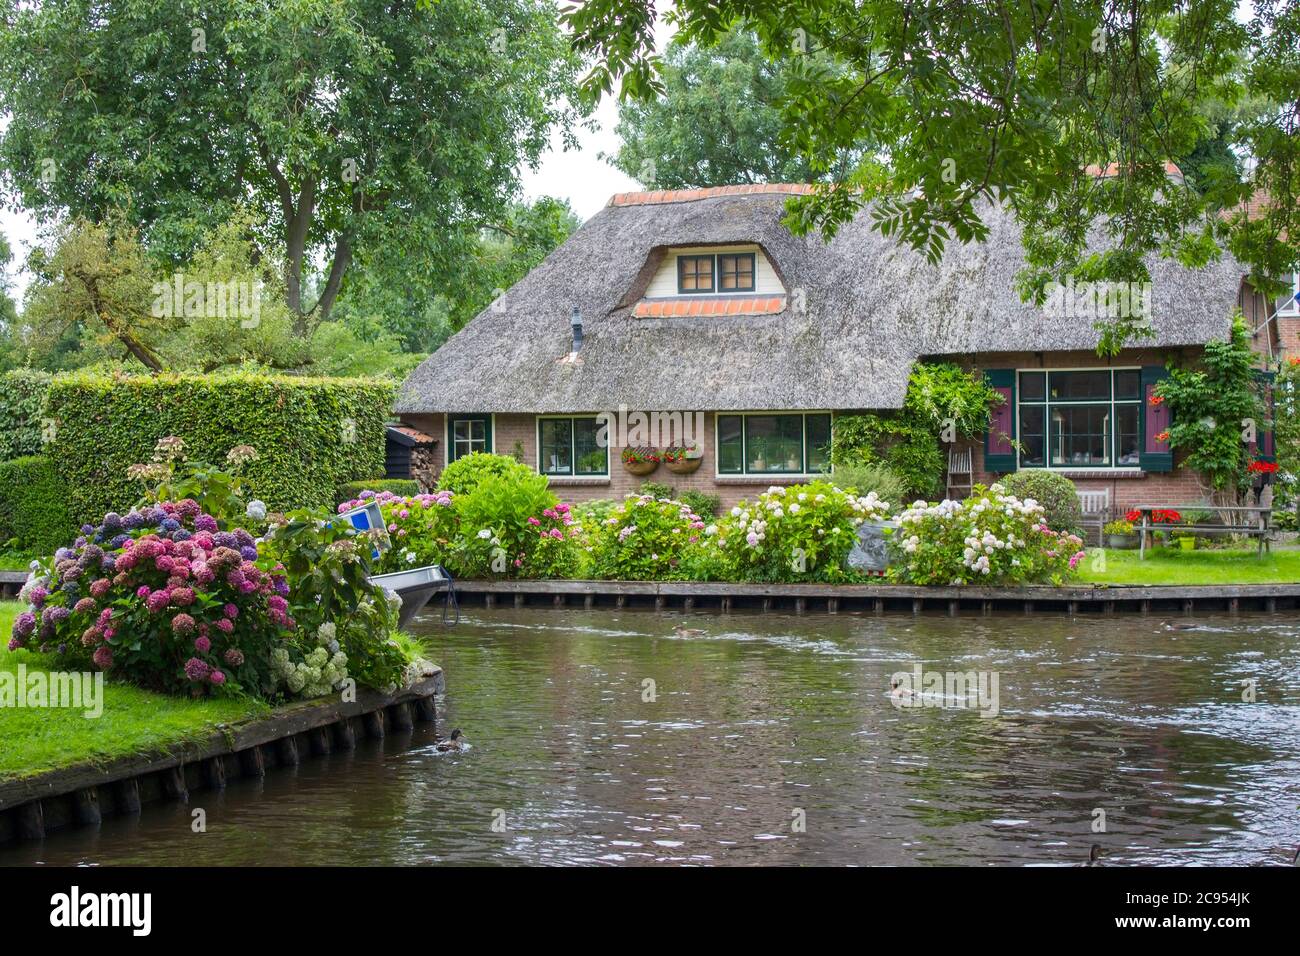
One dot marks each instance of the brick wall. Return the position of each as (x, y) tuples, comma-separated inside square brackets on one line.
[(1179, 486)]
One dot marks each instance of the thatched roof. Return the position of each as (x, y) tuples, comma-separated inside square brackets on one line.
[(859, 311)]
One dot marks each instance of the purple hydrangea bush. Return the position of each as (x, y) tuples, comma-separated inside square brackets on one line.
[(163, 597)]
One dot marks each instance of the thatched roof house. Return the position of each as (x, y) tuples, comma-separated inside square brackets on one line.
[(702, 300)]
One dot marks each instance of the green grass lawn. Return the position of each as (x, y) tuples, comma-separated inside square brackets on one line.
[(1173, 566), (133, 720)]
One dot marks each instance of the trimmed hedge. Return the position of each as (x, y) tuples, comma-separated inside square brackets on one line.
[(351, 490), (311, 434), (1054, 492), (22, 406), (33, 507)]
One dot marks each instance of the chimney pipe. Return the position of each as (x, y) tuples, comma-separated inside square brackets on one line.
[(575, 320)]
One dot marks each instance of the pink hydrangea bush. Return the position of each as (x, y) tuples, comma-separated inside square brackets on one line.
[(990, 538), (161, 597), (647, 539), (422, 528)]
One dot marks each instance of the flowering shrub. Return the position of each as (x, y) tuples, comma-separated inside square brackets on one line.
[(796, 533), (515, 527), (172, 476), (161, 597), (640, 456), (327, 565), (645, 539), (990, 538), (421, 528)]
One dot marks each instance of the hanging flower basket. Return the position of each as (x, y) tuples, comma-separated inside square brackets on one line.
[(682, 461), (640, 461)]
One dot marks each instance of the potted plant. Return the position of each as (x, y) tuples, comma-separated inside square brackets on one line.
[(640, 461), (1119, 535), (682, 459)]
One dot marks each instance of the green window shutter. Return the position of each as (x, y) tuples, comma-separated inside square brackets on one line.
[(1262, 449), (1155, 455), (999, 440)]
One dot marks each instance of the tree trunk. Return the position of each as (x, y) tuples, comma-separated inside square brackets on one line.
[(142, 352)]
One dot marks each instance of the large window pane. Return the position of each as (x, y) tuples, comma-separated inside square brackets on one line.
[(1033, 386), (818, 442), (774, 443), (1081, 386), (1127, 442), (555, 441), (591, 458), (731, 460), (1128, 384), (1080, 435), (1032, 438)]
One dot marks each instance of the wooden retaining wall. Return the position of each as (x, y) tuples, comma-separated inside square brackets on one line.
[(881, 598), (84, 794)]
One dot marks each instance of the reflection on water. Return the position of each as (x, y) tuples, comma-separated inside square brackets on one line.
[(764, 716)]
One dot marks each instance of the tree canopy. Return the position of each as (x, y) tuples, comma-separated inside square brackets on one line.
[(951, 105), (351, 128), (717, 122)]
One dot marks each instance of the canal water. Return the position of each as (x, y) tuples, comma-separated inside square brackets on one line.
[(609, 738)]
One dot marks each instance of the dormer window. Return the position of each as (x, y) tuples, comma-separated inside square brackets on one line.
[(695, 273), (736, 272), (720, 272)]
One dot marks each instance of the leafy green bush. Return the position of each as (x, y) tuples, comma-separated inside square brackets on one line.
[(646, 539), (993, 537), (311, 434), (464, 474), (909, 448), (22, 406), (944, 402), (402, 487), (1054, 492), (34, 517), (506, 525), (657, 489), (343, 623), (799, 533), (703, 504), (863, 478)]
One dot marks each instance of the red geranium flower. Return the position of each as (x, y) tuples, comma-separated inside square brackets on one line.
[(1133, 515)]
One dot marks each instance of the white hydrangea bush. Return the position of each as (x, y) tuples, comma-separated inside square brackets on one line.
[(793, 533), (990, 538)]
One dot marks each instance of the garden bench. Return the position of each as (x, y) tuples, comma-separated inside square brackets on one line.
[(1249, 520), (1095, 509)]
